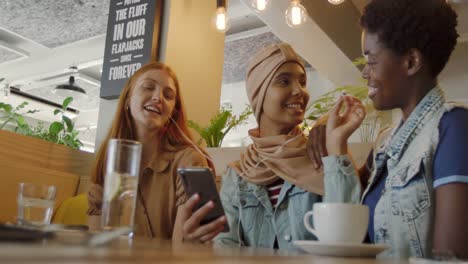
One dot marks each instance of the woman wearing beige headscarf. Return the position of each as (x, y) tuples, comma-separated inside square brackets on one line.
[(266, 193)]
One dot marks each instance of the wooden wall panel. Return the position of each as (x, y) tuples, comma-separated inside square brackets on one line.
[(26, 159)]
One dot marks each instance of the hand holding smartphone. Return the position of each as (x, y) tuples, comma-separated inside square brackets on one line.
[(201, 181)]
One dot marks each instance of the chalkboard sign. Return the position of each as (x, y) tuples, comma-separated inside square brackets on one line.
[(128, 42)]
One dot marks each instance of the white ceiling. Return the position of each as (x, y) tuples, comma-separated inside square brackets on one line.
[(40, 40)]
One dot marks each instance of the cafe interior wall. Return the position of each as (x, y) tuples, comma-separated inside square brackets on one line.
[(454, 78), (194, 51)]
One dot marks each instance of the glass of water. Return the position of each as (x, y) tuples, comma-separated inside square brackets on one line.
[(120, 184), (35, 203)]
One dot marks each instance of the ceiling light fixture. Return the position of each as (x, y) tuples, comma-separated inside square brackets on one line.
[(296, 14), (70, 88), (259, 5), (336, 2), (221, 20)]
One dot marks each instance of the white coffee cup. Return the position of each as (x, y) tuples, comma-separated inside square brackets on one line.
[(338, 222)]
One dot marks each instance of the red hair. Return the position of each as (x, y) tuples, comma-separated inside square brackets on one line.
[(122, 125)]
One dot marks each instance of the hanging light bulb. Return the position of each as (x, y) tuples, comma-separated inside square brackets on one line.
[(296, 14), (221, 20), (336, 2), (259, 5)]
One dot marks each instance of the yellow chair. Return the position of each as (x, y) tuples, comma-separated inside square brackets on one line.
[(72, 211)]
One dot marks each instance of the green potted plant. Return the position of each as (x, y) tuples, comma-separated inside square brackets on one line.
[(219, 126), (60, 132)]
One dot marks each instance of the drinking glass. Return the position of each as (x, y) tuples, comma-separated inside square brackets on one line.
[(35, 203), (120, 184)]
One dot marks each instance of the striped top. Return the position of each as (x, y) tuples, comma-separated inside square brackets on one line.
[(274, 191)]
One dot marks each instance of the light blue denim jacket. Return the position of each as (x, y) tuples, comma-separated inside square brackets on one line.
[(252, 219), (404, 214)]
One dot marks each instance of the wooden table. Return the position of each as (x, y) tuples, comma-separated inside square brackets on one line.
[(141, 250)]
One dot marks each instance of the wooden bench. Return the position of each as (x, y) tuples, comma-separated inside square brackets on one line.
[(27, 159)]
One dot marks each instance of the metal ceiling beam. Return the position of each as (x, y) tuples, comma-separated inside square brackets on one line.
[(14, 49), (54, 61), (20, 42)]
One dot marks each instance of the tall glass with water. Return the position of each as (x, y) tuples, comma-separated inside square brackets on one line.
[(120, 183)]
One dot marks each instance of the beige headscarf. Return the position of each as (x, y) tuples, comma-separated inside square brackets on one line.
[(281, 156)]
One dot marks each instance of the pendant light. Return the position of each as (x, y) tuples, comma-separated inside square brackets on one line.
[(221, 20), (70, 88), (296, 14), (259, 5)]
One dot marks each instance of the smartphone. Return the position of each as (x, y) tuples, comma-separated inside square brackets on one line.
[(14, 233), (201, 181)]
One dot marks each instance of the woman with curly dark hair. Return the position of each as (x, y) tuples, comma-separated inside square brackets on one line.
[(416, 178)]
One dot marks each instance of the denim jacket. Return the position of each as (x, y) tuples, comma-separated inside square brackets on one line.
[(403, 216), (252, 219)]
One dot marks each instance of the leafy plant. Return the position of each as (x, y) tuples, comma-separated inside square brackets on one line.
[(61, 132), (325, 102), (14, 114), (220, 124)]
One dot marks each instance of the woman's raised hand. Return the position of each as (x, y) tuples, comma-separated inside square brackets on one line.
[(192, 229), (340, 126)]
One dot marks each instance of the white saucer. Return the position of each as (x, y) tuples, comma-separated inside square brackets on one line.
[(340, 249)]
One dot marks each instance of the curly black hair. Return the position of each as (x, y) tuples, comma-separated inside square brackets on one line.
[(426, 25)]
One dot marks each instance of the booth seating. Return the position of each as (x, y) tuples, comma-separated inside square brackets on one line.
[(28, 159)]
